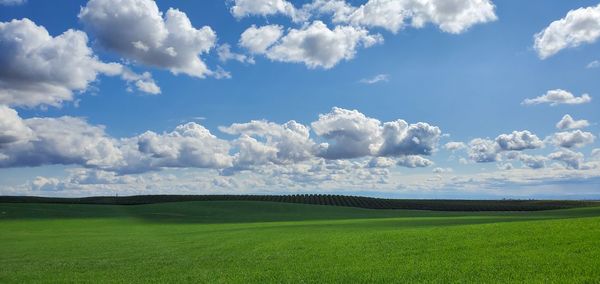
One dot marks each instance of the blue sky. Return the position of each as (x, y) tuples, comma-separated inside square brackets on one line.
[(466, 73)]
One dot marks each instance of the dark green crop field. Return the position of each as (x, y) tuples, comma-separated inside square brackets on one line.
[(258, 242)]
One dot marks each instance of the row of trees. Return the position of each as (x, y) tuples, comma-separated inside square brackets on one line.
[(323, 199)]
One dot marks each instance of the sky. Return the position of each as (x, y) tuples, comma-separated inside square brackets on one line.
[(470, 99)]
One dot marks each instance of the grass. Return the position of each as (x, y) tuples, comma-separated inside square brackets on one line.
[(246, 241)]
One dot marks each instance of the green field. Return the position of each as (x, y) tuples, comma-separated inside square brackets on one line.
[(246, 241)]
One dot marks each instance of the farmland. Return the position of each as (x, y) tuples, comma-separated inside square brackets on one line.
[(258, 241)]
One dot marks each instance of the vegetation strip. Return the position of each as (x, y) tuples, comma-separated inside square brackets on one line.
[(322, 199)]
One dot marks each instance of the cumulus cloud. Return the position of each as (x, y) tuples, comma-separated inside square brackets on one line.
[(578, 27), (533, 162), (189, 145), (518, 141), (315, 44), (511, 146), (39, 69), (258, 40), (72, 141), (567, 122), (558, 96), (244, 8), (414, 162), (571, 159), (454, 146), (381, 162), (376, 79), (354, 134), (137, 30), (283, 143), (486, 150), (349, 134), (450, 16), (225, 54), (47, 184), (401, 138), (63, 140), (12, 127), (572, 139), (483, 150), (143, 82)]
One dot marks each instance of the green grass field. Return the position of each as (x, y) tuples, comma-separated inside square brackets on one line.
[(259, 242)]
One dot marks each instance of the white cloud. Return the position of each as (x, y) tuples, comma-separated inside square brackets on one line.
[(511, 145), (381, 162), (354, 134), (483, 150), (450, 16), (252, 152), (91, 177), (315, 44), (454, 146), (443, 170), (258, 40), (414, 162), (73, 141), (220, 73), (64, 140), (283, 144), (147, 87), (143, 82), (567, 122), (578, 27), (12, 2), (573, 160), (518, 141), (595, 154), (225, 54), (70, 140), (572, 139), (376, 79), (265, 155), (486, 150), (558, 96), (505, 166), (12, 127), (533, 162), (593, 64), (340, 176), (39, 69), (244, 8), (189, 145), (136, 30), (47, 184), (401, 138)]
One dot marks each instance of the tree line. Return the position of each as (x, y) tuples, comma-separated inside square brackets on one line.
[(321, 199)]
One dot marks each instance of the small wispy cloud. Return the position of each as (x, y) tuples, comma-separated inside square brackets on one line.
[(557, 97), (593, 64), (376, 79), (12, 2)]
